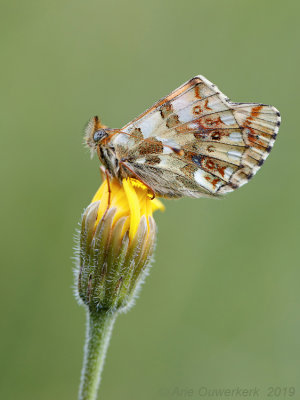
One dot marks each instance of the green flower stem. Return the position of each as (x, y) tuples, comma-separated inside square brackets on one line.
[(99, 328)]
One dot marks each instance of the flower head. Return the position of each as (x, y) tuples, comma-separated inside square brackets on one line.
[(116, 244), (131, 200)]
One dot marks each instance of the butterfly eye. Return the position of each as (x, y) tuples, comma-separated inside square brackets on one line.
[(98, 135)]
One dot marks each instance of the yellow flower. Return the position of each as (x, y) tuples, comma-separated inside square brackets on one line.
[(131, 199), (117, 240)]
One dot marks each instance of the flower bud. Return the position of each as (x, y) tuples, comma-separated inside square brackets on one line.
[(117, 240)]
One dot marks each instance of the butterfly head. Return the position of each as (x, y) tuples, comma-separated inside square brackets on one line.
[(95, 134), (99, 135)]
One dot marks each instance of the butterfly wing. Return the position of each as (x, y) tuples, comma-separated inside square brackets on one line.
[(196, 142)]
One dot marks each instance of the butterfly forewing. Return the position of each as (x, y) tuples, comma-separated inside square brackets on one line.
[(195, 142)]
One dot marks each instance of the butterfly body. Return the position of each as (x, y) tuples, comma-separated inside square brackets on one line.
[(193, 142)]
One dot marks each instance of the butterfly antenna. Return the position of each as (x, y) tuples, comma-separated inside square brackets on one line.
[(97, 123)]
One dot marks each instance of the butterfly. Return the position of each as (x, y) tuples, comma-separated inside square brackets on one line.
[(194, 142)]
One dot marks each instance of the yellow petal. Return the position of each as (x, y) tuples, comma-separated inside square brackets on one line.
[(99, 192), (102, 207), (157, 205), (134, 207), (131, 199)]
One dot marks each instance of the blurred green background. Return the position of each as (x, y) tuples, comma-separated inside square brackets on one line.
[(220, 308)]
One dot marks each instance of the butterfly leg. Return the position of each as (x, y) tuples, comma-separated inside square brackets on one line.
[(108, 188), (139, 179)]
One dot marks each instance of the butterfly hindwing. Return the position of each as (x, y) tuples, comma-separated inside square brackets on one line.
[(195, 142)]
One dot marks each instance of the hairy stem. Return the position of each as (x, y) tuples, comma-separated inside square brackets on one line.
[(99, 328)]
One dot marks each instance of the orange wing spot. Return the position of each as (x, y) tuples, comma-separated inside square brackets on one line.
[(197, 92), (251, 130), (215, 181), (254, 139), (212, 181), (206, 105), (213, 166), (211, 149), (197, 110), (256, 111), (221, 170), (211, 121), (210, 164)]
